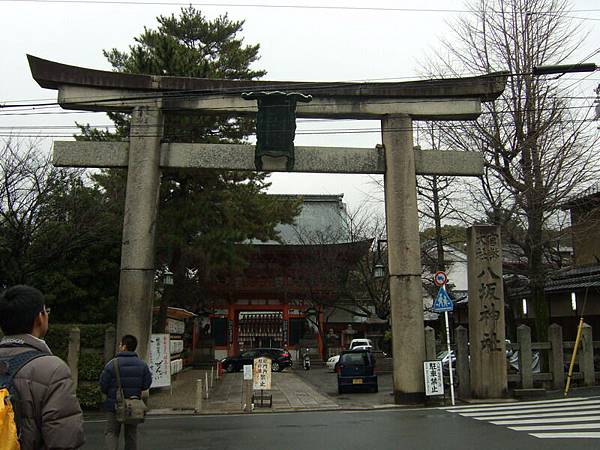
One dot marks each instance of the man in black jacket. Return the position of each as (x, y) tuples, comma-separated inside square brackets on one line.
[(135, 378)]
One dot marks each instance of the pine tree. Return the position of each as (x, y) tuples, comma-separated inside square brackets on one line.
[(203, 214)]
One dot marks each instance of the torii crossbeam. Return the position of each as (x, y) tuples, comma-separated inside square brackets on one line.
[(396, 104)]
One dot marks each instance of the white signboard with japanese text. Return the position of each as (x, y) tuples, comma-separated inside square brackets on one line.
[(261, 373), (175, 326), (434, 379), (176, 366), (176, 346), (247, 372), (160, 360)]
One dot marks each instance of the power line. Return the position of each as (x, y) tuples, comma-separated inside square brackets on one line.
[(279, 6), (250, 106), (24, 109), (340, 131)]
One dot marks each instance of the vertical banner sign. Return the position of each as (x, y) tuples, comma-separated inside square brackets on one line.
[(284, 338), (486, 312), (247, 372), (262, 373), (434, 380), (229, 331), (160, 360)]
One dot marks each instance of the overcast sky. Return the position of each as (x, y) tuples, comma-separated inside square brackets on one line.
[(296, 44)]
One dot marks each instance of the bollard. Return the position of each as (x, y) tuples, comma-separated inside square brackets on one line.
[(248, 391), (524, 340), (217, 371), (199, 393), (462, 362), (109, 343), (430, 343), (206, 382), (586, 361), (557, 366), (212, 376), (73, 355)]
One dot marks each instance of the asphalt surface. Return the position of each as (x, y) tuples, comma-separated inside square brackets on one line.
[(325, 382), (428, 429)]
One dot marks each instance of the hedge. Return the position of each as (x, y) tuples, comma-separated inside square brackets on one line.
[(91, 362)]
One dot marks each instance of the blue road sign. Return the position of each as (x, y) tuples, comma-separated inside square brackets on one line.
[(442, 302)]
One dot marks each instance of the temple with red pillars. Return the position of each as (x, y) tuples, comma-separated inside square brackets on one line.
[(268, 303)]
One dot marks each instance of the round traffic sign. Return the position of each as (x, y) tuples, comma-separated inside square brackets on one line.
[(440, 278)]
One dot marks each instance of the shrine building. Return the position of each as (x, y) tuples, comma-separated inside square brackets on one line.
[(280, 298)]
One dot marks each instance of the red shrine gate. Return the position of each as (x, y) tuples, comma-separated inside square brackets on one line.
[(266, 305)]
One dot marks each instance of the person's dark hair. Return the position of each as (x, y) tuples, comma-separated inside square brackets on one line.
[(130, 342), (19, 306)]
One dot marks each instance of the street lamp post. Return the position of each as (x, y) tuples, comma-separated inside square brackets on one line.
[(379, 269), (167, 277), (167, 280)]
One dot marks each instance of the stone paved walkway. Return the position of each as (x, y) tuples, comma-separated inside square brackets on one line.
[(181, 395), (290, 393), (288, 390)]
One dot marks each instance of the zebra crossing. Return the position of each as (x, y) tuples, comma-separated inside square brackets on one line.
[(565, 418)]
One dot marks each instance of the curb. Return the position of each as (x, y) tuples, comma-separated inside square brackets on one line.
[(190, 412)]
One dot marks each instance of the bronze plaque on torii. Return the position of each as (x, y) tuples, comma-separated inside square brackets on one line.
[(276, 125)]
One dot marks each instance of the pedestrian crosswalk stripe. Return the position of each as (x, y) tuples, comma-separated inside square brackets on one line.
[(545, 419), (548, 420), (493, 416), (516, 406), (569, 435), (578, 412), (574, 426), (527, 411), (536, 402)]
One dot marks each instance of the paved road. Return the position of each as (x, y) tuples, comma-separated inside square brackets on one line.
[(490, 427), (325, 382)]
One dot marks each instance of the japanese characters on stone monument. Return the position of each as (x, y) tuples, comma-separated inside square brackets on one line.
[(486, 312)]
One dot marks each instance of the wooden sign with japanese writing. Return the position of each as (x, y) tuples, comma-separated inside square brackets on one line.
[(261, 373), (486, 312)]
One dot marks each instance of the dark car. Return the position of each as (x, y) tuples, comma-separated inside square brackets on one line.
[(356, 370), (280, 359)]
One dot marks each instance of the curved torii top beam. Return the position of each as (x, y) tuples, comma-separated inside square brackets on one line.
[(97, 90)]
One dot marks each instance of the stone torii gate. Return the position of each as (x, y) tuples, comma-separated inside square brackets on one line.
[(149, 98)]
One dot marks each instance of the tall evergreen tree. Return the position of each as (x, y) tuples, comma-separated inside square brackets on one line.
[(203, 214)]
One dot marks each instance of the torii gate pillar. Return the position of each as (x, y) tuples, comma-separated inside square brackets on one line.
[(139, 227), (404, 259)]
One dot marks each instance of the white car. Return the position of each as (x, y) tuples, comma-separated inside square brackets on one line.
[(363, 347), (332, 362), (360, 342)]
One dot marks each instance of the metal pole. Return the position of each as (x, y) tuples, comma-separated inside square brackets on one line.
[(577, 341), (449, 355), (574, 356)]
